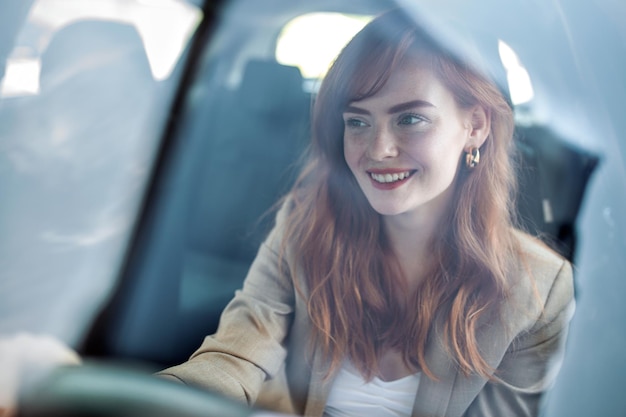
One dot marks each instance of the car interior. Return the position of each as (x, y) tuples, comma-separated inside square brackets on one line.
[(243, 142), (229, 149), (240, 154)]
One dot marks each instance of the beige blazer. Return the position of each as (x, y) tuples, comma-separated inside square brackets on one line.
[(260, 353)]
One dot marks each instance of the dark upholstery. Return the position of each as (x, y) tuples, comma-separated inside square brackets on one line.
[(249, 161), (252, 149), (553, 177)]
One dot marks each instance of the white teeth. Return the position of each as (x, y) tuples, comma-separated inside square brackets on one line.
[(386, 178)]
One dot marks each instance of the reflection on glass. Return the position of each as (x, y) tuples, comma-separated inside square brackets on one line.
[(304, 45), (163, 47), (520, 86)]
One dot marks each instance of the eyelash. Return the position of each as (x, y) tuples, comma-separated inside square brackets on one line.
[(420, 119), (355, 123)]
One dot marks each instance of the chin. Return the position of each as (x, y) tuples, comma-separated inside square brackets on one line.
[(387, 209)]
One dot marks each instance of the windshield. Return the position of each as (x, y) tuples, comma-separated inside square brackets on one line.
[(90, 89), (84, 100)]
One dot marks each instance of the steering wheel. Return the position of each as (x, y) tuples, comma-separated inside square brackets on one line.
[(94, 390)]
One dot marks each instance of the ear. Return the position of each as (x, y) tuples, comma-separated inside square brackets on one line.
[(479, 125)]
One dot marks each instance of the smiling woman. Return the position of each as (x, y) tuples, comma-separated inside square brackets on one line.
[(395, 254), (393, 134), (163, 242)]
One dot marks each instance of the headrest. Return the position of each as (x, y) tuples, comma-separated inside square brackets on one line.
[(89, 45), (269, 87)]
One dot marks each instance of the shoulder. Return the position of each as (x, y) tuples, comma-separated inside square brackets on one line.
[(537, 257), (284, 209), (542, 278), (293, 212), (280, 240)]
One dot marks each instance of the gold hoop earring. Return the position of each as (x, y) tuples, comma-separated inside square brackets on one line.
[(472, 158)]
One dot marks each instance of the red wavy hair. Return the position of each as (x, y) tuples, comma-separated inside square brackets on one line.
[(350, 275)]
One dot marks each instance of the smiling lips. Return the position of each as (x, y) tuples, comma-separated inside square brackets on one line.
[(388, 180)]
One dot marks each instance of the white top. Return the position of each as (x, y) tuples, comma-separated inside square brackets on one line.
[(351, 396)]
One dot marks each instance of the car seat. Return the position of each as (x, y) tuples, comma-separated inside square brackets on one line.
[(238, 157)]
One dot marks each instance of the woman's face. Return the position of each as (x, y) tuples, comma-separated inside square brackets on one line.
[(404, 144)]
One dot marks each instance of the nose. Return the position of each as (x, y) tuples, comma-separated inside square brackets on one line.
[(383, 145)]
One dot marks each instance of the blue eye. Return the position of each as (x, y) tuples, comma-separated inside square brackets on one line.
[(352, 122), (411, 119)]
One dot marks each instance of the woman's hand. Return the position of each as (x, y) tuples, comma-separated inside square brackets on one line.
[(24, 358)]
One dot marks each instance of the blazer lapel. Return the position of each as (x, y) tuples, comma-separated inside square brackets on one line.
[(454, 392), (432, 396), (318, 387)]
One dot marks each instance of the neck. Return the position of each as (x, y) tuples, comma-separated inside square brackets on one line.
[(411, 238), (411, 248)]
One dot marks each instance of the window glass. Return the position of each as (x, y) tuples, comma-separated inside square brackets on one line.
[(163, 48), (245, 124), (302, 43), (520, 86), (85, 98)]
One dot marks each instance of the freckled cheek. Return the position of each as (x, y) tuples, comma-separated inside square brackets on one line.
[(350, 155), (353, 150), (445, 163), (420, 151)]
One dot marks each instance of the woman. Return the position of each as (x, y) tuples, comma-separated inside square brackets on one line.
[(394, 282)]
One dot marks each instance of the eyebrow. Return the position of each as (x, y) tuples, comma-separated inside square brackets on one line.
[(394, 109)]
